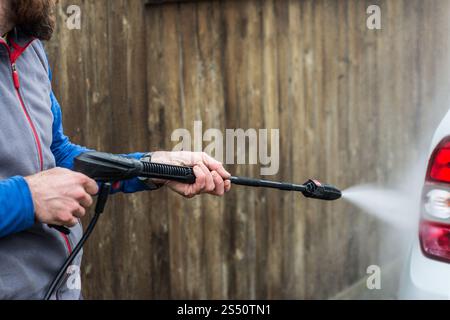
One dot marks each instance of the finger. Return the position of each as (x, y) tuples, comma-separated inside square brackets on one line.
[(72, 223), (68, 220), (90, 186), (219, 189), (221, 170), (81, 197), (86, 201), (200, 179), (79, 212), (215, 165), (227, 185), (223, 173), (209, 181)]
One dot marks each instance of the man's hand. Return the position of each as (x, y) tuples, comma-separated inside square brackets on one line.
[(211, 177), (61, 196)]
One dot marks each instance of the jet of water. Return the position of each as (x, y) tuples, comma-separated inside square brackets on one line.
[(392, 206)]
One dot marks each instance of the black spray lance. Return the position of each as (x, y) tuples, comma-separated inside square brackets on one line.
[(106, 169)]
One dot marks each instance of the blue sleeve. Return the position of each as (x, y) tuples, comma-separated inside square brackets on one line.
[(65, 152), (16, 206)]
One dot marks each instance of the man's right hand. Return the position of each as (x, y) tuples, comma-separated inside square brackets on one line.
[(61, 196)]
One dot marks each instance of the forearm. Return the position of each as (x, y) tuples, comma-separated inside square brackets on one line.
[(16, 206), (133, 185)]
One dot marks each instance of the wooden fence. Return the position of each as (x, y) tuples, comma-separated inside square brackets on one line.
[(350, 103)]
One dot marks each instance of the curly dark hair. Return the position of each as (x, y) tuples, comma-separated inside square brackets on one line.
[(35, 17)]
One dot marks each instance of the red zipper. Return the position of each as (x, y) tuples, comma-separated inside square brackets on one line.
[(13, 56), (33, 128), (66, 239), (15, 75)]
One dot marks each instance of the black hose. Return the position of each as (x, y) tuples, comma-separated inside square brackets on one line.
[(105, 189)]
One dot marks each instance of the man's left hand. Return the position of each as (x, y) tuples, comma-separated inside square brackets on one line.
[(211, 176)]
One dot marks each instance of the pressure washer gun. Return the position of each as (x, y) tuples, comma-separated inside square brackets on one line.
[(104, 167), (107, 168)]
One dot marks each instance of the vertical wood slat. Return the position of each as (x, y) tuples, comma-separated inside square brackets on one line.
[(351, 105)]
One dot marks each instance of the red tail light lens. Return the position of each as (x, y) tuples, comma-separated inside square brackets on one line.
[(435, 224), (435, 240), (439, 167)]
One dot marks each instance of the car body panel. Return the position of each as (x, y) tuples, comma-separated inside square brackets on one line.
[(425, 278)]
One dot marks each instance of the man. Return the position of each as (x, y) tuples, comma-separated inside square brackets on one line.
[(37, 187)]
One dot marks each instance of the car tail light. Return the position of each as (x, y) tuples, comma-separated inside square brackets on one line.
[(435, 223), (435, 240), (437, 203), (439, 167)]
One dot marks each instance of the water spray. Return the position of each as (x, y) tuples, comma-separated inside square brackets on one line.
[(107, 168)]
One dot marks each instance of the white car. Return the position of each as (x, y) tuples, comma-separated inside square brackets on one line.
[(427, 271)]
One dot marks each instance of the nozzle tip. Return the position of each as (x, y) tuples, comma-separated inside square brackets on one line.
[(316, 190)]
